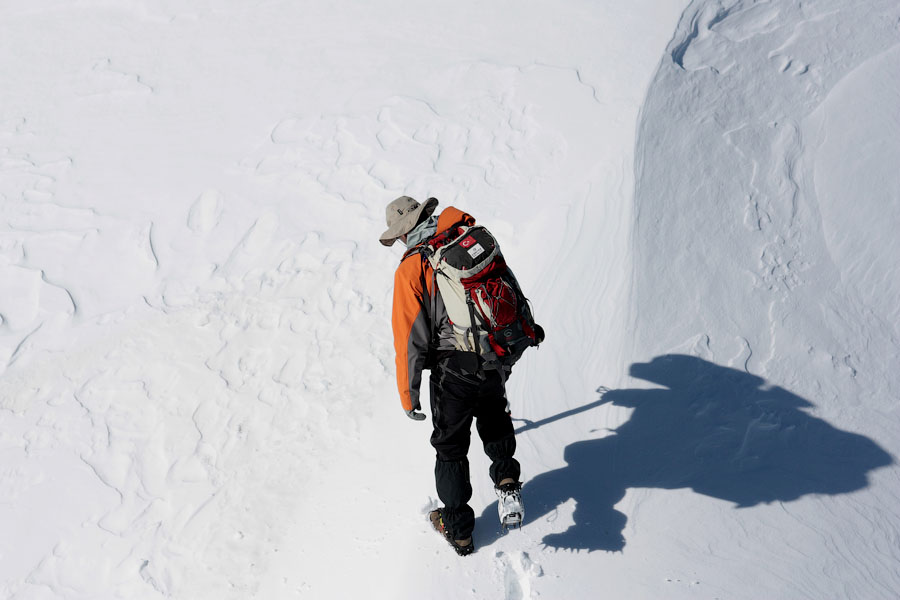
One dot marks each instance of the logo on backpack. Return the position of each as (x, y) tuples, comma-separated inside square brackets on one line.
[(487, 310)]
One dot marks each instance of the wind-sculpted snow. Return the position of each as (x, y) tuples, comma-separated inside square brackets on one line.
[(192, 419), (197, 395)]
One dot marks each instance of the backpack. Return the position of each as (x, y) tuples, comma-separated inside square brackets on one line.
[(488, 312)]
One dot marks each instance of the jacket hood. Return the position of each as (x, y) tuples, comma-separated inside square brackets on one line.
[(450, 216)]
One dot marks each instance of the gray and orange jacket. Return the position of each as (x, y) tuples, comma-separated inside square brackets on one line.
[(415, 299)]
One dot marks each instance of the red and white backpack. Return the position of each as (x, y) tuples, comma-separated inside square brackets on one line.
[(487, 310)]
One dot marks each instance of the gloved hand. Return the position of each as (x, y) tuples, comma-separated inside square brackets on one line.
[(415, 416)]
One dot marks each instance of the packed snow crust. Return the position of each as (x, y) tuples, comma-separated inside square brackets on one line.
[(197, 392)]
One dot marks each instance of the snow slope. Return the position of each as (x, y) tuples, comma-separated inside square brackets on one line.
[(196, 370)]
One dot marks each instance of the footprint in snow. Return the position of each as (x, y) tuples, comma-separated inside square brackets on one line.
[(518, 572)]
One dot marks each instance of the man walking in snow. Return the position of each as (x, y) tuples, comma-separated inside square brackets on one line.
[(463, 387)]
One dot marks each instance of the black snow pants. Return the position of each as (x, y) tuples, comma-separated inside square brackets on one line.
[(457, 398)]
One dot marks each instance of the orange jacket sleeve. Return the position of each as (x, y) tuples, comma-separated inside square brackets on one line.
[(412, 328), (413, 289)]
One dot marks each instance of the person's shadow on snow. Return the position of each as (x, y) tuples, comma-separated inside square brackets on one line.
[(718, 431)]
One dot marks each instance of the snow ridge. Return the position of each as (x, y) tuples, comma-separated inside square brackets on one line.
[(734, 265)]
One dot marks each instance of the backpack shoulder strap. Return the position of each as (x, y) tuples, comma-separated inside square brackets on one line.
[(420, 249), (425, 252)]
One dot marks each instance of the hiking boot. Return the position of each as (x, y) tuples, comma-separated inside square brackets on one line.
[(510, 505), (462, 547)]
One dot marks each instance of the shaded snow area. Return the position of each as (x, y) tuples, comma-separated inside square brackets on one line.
[(197, 395)]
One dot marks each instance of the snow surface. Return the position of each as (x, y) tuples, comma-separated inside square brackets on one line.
[(196, 368)]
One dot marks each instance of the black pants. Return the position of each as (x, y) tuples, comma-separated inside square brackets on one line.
[(457, 398)]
